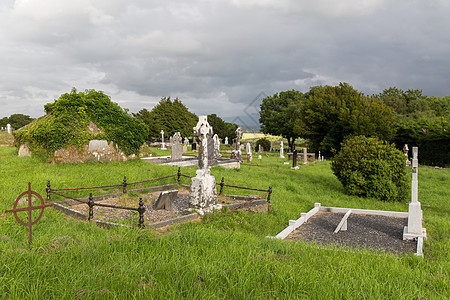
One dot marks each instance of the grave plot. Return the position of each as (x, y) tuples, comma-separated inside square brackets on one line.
[(375, 232)]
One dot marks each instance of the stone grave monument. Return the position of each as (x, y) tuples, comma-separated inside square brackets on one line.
[(249, 152), (237, 151), (202, 193), (226, 140), (216, 146), (9, 128), (185, 145), (176, 153), (281, 150), (165, 200), (405, 152), (194, 144), (163, 145), (414, 228), (305, 155)]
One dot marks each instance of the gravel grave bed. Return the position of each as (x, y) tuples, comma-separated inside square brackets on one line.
[(180, 203), (363, 231)]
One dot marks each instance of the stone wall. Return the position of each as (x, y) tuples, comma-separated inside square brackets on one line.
[(97, 150)]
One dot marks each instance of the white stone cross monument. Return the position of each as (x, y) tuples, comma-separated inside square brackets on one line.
[(203, 194), (281, 150), (163, 145), (414, 228)]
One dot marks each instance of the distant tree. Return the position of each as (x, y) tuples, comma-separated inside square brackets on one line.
[(279, 114), (221, 128), (331, 114), (421, 121), (16, 120), (170, 116)]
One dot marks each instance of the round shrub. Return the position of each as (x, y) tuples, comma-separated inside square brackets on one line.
[(265, 143), (369, 167)]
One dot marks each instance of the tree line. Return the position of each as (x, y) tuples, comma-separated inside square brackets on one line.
[(328, 115)]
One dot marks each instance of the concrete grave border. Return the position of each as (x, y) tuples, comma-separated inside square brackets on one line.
[(294, 224)]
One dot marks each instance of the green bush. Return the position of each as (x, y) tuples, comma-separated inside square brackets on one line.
[(369, 167), (264, 142), (67, 120)]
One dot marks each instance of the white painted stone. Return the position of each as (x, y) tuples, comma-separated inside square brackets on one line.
[(281, 150), (343, 224), (9, 129), (415, 217), (163, 145)]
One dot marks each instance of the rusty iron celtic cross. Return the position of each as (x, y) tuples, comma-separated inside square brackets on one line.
[(29, 209)]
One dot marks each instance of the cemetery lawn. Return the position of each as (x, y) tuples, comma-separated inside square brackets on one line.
[(226, 255)]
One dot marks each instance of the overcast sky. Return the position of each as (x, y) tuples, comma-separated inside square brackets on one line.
[(217, 56)]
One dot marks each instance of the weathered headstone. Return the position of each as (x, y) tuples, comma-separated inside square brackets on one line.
[(163, 145), (294, 159), (216, 146), (249, 152), (194, 144), (260, 148), (9, 129), (226, 140), (165, 200), (176, 153), (203, 194), (414, 228), (281, 150), (271, 147), (185, 145), (305, 156), (320, 157), (237, 152), (405, 152)]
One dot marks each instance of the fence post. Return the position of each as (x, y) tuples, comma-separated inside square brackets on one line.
[(91, 207), (269, 205), (179, 175), (124, 184), (48, 189), (221, 186), (141, 211)]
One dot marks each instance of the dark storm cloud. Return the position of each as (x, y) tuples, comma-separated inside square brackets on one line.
[(217, 56)]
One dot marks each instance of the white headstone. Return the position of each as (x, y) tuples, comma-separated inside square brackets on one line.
[(9, 129), (216, 146), (281, 150), (163, 145), (226, 140), (249, 152)]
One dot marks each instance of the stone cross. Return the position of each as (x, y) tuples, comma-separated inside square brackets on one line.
[(203, 130), (281, 150), (238, 138), (163, 145), (414, 228)]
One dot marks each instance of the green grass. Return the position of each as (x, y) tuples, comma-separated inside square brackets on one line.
[(226, 256)]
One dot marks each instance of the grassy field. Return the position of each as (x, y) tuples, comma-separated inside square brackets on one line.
[(225, 256)]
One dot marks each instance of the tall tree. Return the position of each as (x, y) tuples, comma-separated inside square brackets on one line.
[(279, 114), (221, 128), (332, 114), (170, 116), (16, 121)]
